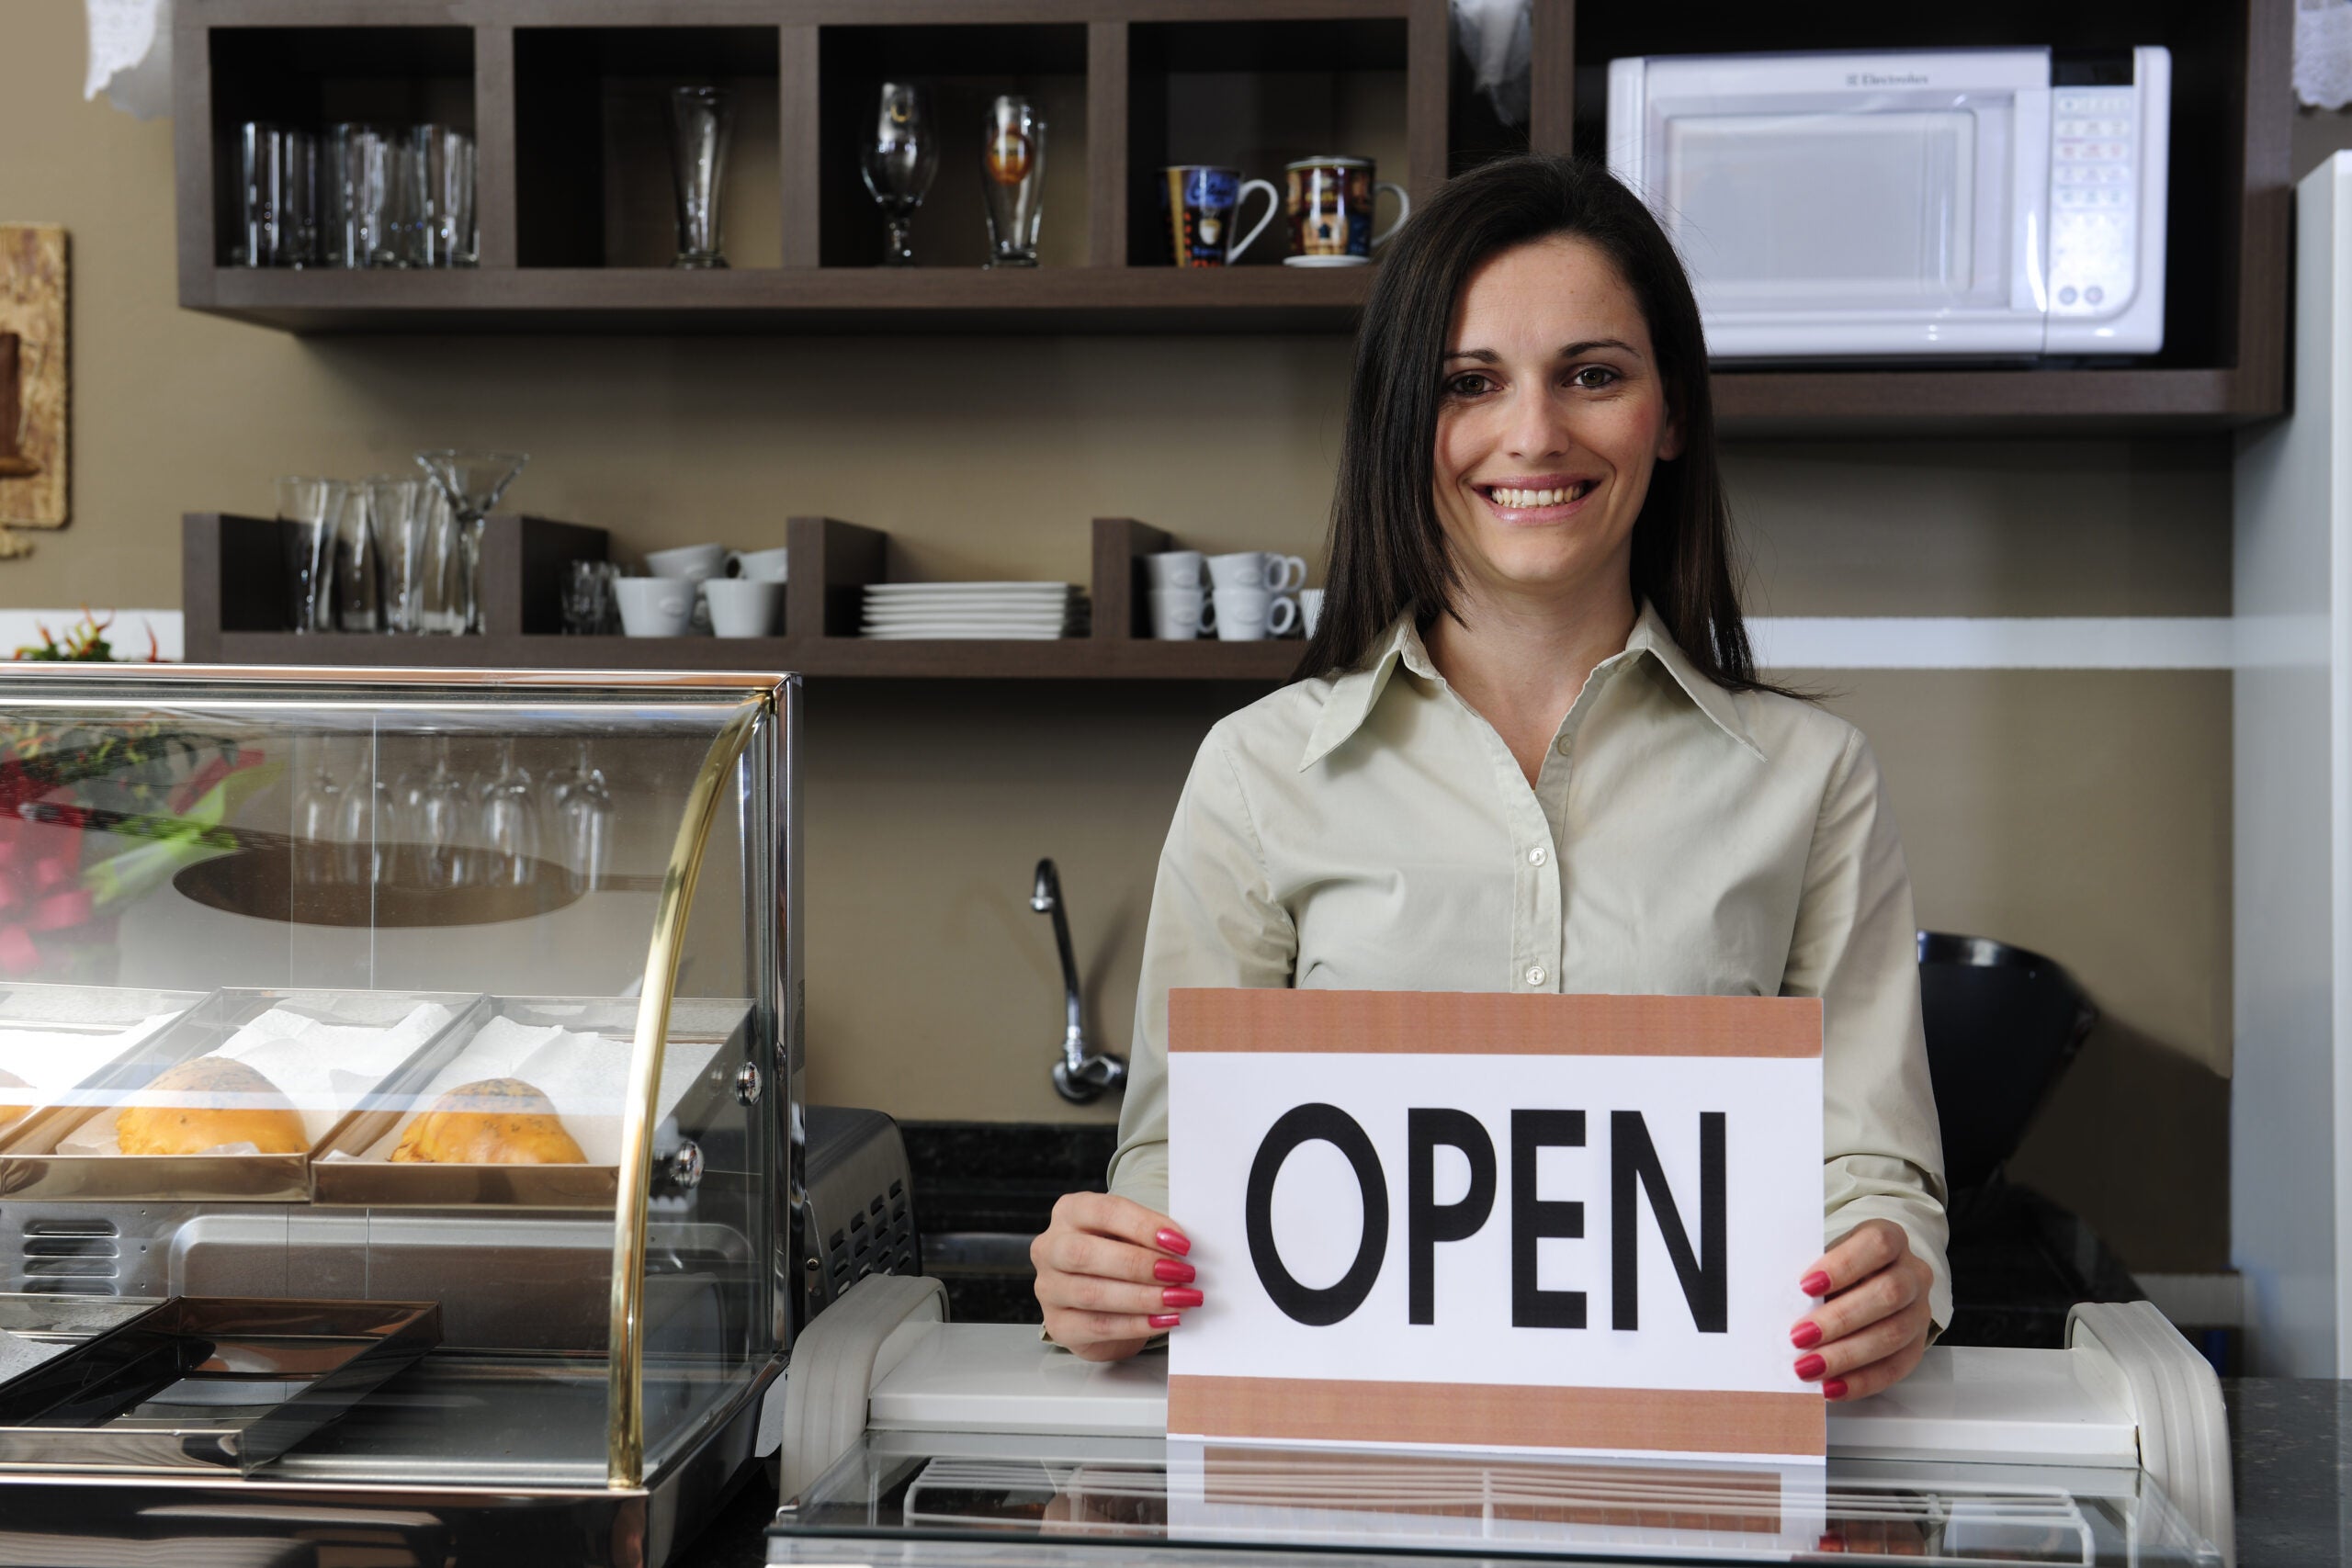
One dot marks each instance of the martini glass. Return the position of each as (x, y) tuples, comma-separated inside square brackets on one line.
[(472, 481)]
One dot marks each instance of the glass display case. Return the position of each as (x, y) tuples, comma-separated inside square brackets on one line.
[(399, 1127)]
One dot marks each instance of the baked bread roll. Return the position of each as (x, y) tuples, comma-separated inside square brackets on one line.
[(14, 1107), (222, 1101), (493, 1122)]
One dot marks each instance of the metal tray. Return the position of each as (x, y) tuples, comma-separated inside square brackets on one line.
[(31, 1167), (208, 1382), (713, 1027)]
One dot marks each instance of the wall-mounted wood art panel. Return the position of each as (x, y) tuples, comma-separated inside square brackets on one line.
[(33, 406)]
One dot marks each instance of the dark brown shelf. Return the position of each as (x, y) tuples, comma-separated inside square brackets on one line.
[(233, 598), (532, 78)]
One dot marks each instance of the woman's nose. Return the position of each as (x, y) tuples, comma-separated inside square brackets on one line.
[(1537, 429)]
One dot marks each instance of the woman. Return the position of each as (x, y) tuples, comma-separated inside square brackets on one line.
[(1529, 750)]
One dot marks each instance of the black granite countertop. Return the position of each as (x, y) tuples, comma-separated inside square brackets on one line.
[(2291, 1446)]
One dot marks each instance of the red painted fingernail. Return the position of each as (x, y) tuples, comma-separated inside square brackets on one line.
[(1813, 1284), (1163, 1320), (1173, 1241), (1834, 1389), (1805, 1334), (1811, 1366), (1180, 1296), (1172, 1272)]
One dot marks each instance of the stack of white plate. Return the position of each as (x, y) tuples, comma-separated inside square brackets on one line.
[(1017, 611)]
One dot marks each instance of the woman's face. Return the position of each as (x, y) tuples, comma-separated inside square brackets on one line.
[(1551, 415)]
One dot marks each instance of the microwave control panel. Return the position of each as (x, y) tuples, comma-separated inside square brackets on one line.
[(2094, 200)]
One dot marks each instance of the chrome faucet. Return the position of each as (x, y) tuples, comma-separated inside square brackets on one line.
[(1082, 1073)]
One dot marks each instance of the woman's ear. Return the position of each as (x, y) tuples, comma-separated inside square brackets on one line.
[(1669, 439)]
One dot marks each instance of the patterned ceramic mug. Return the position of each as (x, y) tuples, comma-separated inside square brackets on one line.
[(1330, 207), (1201, 203)]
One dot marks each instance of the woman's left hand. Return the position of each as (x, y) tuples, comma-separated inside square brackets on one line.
[(1872, 1325)]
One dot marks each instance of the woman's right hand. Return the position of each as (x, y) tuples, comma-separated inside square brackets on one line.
[(1110, 1273)]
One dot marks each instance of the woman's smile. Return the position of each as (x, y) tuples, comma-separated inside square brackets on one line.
[(1536, 499)]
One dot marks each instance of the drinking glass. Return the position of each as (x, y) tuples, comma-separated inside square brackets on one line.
[(398, 523), (358, 565), (318, 803), (440, 563), (509, 824), (898, 160), (430, 802), (1012, 178), (472, 481), (360, 221), (588, 606), (278, 196), (583, 815), (311, 509), (437, 174), (701, 120)]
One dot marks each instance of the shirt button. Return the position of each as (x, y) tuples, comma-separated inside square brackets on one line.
[(1535, 856), (1535, 974), (1564, 746)]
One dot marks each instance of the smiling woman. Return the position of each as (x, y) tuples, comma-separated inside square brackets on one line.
[(1527, 751)]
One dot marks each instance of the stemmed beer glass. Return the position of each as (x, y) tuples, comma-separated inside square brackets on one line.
[(900, 157)]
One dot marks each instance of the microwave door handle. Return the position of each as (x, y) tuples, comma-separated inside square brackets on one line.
[(2030, 153)]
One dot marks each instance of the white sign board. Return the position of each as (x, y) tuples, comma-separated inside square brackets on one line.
[(1494, 1220)]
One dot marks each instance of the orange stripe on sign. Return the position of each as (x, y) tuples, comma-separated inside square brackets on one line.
[(1496, 1023), (1704, 1497), (1498, 1416)]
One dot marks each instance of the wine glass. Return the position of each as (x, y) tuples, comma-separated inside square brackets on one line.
[(472, 481), (899, 158), (509, 834), (318, 801), (367, 825), (430, 802), (584, 814)]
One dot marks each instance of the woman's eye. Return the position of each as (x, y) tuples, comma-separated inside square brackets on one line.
[(1592, 378), (1469, 383)]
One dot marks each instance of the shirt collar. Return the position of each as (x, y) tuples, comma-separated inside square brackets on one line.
[(1354, 695)]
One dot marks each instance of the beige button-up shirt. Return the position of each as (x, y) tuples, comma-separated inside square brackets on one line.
[(1372, 833)]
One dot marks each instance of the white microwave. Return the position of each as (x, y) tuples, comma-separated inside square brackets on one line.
[(1937, 202)]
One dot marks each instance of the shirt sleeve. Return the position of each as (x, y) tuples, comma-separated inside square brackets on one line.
[(1215, 921), (1856, 947)]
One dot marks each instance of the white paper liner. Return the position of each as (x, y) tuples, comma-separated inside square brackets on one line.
[(584, 1076), (54, 1061), (322, 1070)]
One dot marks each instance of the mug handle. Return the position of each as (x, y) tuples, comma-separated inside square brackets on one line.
[(1404, 210), (1273, 205), (734, 567), (1208, 615), (1286, 574), (1281, 615)]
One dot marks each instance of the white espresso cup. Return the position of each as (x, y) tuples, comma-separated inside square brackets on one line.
[(1177, 614), (1310, 609), (1258, 569), (695, 563), (743, 606), (1176, 569), (760, 565), (655, 606), (1251, 614)]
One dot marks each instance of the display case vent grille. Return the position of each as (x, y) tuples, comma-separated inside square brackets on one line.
[(77, 1256), (880, 1240)]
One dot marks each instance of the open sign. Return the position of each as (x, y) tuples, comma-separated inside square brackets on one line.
[(1496, 1221)]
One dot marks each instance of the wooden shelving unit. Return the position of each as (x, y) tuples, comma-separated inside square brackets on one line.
[(555, 90), (234, 592)]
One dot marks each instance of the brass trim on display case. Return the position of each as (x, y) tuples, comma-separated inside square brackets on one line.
[(625, 1434)]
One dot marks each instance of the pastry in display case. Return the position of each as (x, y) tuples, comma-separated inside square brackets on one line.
[(391, 1129)]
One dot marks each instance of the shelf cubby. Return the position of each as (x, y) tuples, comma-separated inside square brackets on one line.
[(593, 184)]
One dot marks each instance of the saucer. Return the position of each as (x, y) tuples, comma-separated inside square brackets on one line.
[(1327, 261)]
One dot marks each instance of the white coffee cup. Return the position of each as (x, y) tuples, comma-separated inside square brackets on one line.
[(655, 606), (743, 606), (1258, 569), (1250, 615), (695, 563), (1177, 614), (1176, 569), (1310, 609), (760, 565)]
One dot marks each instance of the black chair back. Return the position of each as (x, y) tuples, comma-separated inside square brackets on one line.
[(2002, 1026)]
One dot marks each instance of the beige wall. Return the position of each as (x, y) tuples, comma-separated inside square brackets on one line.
[(2085, 814)]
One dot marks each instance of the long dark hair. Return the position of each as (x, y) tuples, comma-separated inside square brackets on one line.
[(1387, 552)]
